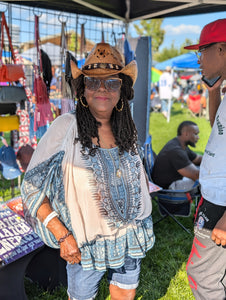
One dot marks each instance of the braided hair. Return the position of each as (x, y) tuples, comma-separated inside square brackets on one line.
[(122, 124)]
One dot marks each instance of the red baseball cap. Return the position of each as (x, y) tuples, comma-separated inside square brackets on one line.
[(214, 32)]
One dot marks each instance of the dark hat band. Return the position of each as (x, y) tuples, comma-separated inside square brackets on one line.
[(102, 66)]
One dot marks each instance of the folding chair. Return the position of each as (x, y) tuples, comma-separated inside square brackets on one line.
[(171, 203), (194, 105)]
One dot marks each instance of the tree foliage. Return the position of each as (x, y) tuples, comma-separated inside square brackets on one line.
[(151, 28), (167, 53), (71, 45)]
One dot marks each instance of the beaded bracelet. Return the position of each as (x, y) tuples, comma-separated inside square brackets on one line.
[(61, 240), (52, 215)]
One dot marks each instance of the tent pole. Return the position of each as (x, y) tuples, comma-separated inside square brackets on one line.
[(127, 15)]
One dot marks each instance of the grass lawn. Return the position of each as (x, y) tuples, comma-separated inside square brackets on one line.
[(162, 131), (163, 274)]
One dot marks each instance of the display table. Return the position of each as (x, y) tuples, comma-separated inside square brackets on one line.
[(22, 253), (12, 278), (47, 268)]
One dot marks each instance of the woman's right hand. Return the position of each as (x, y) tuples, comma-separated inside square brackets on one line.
[(69, 250)]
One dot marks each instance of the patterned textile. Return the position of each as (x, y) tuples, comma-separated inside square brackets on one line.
[(109, 215), (23, 111), (24, 137), (67, 105)]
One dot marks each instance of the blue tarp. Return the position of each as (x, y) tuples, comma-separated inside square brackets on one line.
[(184, 61)]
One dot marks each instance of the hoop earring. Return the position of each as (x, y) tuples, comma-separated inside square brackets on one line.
[(121, 108), (83, 104)]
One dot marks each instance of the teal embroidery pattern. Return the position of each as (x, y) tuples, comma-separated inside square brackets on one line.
[(45, 180), (120, 195)]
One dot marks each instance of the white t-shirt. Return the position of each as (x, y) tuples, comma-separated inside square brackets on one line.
[(165, 85), (213, 167)]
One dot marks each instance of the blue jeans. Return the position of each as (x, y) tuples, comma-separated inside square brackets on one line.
[(83, 284), (164, 105)]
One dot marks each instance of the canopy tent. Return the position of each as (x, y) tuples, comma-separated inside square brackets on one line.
[(53, 51), (196, 77), (185, 61), (130, 10)]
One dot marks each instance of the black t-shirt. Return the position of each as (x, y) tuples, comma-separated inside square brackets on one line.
[(171, 158)]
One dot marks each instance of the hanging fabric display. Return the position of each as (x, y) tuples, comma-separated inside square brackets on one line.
[(8, 123), (83, 40), (24, 137), (128, 52), (9, 108), (102, 33), (9, 72), (12, 94), (23, 113), (65, 89), (43, 114), (67, 101), (47, 69), (113, 36)]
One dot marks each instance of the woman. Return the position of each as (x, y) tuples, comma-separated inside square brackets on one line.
[(85, 189)]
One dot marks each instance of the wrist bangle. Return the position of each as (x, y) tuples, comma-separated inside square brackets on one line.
[(61, 240), (52, 215)]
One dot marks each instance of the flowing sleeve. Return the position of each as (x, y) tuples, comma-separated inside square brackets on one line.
[(44, 177)]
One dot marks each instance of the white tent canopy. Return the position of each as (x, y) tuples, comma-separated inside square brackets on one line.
[(52, 50)]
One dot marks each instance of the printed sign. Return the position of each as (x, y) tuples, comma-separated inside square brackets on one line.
[(154, 187), (17, 238), (16, 205)]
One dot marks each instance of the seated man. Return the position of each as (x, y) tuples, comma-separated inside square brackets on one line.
[(175, 166)]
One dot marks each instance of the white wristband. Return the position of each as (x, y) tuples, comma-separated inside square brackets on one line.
[(52, 215)]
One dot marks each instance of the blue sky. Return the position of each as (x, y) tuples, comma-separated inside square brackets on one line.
[(179, 28)]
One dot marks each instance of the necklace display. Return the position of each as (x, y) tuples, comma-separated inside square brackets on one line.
[(118, 170)]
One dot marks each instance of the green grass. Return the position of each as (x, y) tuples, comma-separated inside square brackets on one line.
[(162, 131), (163, 275)]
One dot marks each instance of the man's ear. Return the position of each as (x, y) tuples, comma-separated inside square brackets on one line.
[(184, 132), (222, 49)]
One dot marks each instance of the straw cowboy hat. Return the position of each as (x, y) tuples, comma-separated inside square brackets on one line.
[(105, 60)]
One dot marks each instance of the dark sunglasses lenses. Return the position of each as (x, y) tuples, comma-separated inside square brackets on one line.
[(110, 84)]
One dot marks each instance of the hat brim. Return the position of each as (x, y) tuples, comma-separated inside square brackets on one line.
[(197, 46), (193, 47), (129, 70), (10, 172)]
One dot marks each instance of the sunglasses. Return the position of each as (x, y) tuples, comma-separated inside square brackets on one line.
[(199, 53), (93, 84)]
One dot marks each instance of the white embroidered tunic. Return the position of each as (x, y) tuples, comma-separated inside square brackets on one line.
[(109, 215)]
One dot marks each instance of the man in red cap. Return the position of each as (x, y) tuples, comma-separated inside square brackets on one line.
[(206, 267)]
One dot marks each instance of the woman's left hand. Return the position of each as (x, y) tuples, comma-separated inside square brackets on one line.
[(69, 250)]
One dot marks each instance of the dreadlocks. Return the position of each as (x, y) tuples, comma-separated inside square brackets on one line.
[(122, 124)]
